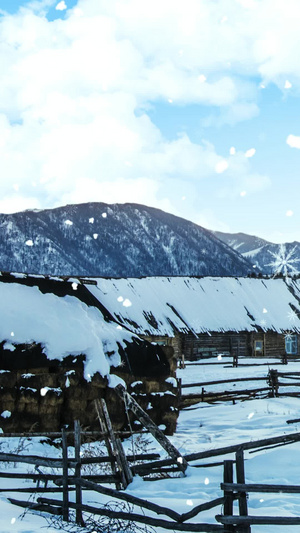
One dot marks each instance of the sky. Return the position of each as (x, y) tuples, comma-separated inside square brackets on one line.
[(189, 106)]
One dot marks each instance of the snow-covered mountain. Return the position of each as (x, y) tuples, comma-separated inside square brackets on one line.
[(117, 240), (268, 257)]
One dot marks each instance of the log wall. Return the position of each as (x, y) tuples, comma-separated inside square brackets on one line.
[(241, 344)]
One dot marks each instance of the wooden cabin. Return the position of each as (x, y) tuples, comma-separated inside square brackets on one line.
[(208, 315)]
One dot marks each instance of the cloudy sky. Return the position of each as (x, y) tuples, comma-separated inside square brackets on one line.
[(189, 106)]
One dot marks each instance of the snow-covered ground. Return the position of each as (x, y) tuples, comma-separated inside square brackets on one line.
[(201, 427)]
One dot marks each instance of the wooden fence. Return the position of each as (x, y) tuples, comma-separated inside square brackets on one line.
[(71, 479), (240, 491), (277, 384)]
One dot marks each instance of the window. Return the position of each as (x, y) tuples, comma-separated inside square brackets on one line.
[(291, 344), (258, 347)]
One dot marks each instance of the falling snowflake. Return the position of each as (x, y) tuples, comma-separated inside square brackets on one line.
[(221, 166), (284, 261), (292, 315), (288, 336), (68, 222), (104, 215), (293, 141), (29, 242), (91, 220), (250, 152), (287, 84)]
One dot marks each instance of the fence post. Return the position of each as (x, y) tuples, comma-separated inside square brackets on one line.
[(228, 503), (273, 381), (240, 478), (77, 444), (65, 476)]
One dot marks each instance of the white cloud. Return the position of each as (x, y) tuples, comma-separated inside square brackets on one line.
[(61, 6), (75, 93), (293, 141)]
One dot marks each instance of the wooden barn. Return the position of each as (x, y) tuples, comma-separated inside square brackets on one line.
[(60, 349), (208, 315)]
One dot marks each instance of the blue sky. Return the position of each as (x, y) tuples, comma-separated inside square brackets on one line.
[(191, 107)]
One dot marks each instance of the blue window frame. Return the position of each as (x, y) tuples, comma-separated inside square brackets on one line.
[(291, 344)]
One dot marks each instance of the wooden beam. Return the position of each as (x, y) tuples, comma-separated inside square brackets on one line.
[(145, 419), (255, 520), (240, 477), (220, 382), (142, 519), (34, 460), (228, 496), (117, 448), (158, 509), (77, 445), (108, 444), (257, 487), (200, 508), (65, 486)]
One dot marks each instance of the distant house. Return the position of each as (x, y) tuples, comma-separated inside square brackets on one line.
[(60, 349), (208, 315)]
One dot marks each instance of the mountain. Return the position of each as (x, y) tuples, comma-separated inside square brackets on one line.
[(117, 240), (266, 256)]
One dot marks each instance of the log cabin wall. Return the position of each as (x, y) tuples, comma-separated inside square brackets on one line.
[(205, 344), (273, 344), (244, 344)]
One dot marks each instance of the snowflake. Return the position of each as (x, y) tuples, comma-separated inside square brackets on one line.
[(284, 261), (292, 315), (288, 336)]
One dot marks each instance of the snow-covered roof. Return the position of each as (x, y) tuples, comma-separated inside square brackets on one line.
[(62, 323), (164, 305)]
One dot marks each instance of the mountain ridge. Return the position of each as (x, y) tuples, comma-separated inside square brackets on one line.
[(113, 240)]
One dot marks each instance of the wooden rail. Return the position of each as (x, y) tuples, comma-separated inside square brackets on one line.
[(240, 491), (274, 381)]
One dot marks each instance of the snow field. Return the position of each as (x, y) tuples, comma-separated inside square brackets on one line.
[(201, 427)]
